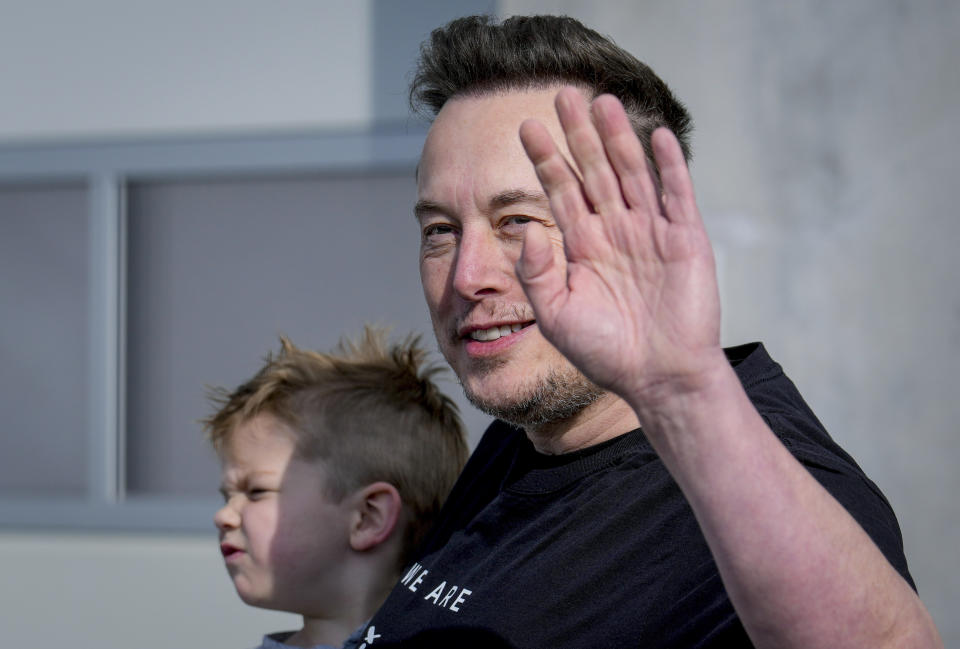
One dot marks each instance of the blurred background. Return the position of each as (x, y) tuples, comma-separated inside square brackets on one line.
[(182, 182)]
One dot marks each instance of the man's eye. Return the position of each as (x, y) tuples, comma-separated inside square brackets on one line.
[(438, 236), (437, 230), (255, 493), (515, 223)]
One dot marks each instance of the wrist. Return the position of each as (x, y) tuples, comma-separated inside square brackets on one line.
[(691, 418), (699, 381)]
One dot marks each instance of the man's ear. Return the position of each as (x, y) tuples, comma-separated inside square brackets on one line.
[(377, 509)]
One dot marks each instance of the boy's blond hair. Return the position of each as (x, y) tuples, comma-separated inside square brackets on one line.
[(370, 411)]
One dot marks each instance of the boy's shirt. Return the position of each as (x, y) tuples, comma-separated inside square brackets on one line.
[(276, 640)]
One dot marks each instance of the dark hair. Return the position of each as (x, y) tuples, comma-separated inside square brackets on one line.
[(476, 55)]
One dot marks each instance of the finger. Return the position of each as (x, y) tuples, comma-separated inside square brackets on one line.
[(599, 181), (542, 278), (626, 154), (679, 202), (559, 181)]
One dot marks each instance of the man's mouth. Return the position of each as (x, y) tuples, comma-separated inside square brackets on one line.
[(493, 333)]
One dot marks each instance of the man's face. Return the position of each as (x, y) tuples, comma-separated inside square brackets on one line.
[(477, 193), (281, 536)]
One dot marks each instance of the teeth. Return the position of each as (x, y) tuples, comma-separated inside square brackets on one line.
[(495, 332)]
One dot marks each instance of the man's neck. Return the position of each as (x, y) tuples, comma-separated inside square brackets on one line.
[(606, 418)]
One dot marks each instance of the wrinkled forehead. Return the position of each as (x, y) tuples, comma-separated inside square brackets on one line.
[(475, 138)]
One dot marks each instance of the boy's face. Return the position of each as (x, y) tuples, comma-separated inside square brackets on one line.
[(283, 539)]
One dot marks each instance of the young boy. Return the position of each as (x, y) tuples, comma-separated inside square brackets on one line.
[(333, 468)]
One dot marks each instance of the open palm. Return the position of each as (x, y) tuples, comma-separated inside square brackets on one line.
[(636, 307)]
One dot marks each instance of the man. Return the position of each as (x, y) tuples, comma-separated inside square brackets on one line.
[(663, 492)]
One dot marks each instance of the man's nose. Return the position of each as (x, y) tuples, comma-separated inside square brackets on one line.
[(483, 266)]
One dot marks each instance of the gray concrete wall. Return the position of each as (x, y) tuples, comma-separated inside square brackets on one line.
[(826, 149)]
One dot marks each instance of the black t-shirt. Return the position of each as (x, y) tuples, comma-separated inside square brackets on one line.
[(599, 548)]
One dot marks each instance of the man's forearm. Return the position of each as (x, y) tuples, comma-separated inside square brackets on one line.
[(798, 568)]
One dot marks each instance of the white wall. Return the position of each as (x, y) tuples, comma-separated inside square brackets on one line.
[(122, 591), (825, 153), (108, 67)]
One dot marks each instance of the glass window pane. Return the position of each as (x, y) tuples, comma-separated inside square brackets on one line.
[(44, 367)]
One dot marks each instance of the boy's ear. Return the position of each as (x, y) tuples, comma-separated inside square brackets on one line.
[(376, 512)]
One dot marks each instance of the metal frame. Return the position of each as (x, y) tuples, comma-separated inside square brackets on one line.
[(105, 168), (107, 430)]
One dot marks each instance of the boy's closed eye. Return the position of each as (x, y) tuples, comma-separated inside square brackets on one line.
[(255, 493)]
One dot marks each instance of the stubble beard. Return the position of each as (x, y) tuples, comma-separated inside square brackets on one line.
[(559, 396)]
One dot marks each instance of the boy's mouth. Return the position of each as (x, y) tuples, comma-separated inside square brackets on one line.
[(228, 550)]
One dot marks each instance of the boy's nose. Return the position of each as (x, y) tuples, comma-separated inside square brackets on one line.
[(226, 518)]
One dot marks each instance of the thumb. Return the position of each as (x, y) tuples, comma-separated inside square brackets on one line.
[(542, 278)]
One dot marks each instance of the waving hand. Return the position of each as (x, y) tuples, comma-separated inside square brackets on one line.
[(636, 308)]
